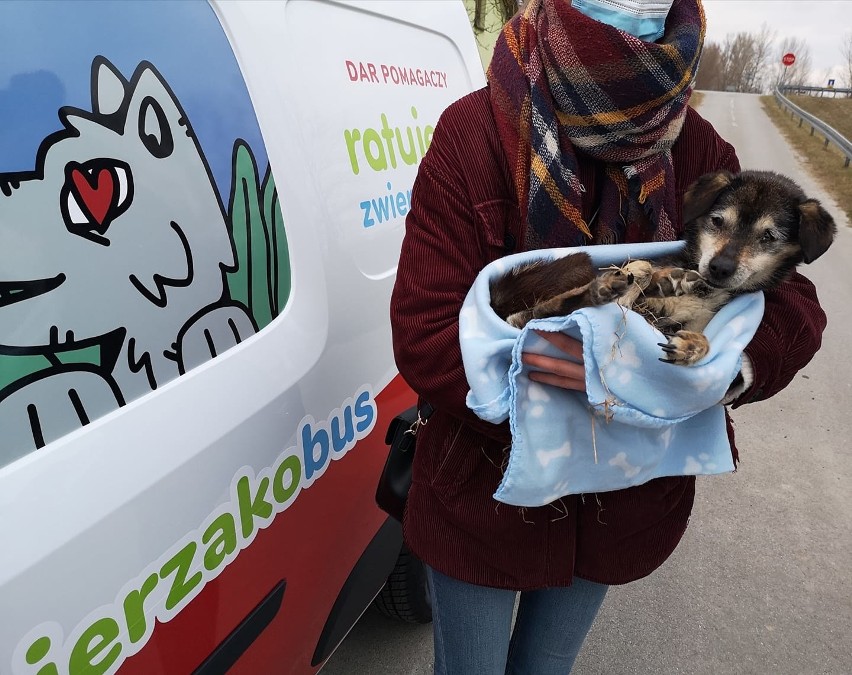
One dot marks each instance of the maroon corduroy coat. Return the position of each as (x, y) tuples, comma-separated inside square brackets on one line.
[(464, 214)]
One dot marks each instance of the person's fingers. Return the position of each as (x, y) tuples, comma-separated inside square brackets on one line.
[(555, 371), (569, 345), (558, 381)]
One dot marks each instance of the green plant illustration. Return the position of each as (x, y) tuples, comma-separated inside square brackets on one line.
[(14, 367), (261, 281)]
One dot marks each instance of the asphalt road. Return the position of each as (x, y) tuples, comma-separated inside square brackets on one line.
[(762, 582)]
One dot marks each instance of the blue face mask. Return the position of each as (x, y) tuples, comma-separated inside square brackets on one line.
[(644, 19)]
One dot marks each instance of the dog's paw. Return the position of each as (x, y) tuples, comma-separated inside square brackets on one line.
[(641, 272), (675, 281), (520, 319), (609, 286), (685, 348), (622, 285)]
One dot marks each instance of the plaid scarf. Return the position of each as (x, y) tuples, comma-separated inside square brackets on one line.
[(562, 83)]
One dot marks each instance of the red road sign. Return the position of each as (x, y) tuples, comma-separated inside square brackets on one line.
[(788, 59)]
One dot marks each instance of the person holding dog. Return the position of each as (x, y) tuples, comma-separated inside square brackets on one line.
[(582, 136)]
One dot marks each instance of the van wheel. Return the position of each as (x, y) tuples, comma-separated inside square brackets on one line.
[(405, 595)]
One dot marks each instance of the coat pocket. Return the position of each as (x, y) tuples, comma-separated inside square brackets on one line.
[(451, 453), (498, 228)]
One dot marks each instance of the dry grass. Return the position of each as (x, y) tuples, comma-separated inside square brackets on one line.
[(835, 112), (826, 163)]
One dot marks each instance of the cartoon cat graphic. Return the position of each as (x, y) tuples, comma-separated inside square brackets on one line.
[(117, 239)]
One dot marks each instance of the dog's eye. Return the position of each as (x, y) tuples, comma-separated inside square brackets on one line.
[(717, 221), (768, 237)]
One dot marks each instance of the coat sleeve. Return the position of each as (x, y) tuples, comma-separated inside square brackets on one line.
[(441, 256), (787, 339)]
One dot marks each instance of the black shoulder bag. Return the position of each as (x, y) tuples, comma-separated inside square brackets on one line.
[(395, 481)]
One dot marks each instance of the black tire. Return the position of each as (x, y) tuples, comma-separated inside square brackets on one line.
[(405, 595)]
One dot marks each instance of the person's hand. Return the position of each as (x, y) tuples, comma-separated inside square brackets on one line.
[(560, 372)]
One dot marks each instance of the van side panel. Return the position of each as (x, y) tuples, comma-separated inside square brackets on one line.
[(198, 426)]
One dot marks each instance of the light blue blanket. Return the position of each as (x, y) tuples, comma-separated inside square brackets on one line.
[(639, 419)]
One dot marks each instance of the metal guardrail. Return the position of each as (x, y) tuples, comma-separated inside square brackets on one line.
[(822, 90), (830, 134)]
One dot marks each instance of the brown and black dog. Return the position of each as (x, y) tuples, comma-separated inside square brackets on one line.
[(745, 232)]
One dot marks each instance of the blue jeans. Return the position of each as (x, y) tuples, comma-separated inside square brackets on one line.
[(474, 634)]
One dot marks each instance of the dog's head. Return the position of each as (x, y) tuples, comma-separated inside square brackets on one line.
[(748, 231)]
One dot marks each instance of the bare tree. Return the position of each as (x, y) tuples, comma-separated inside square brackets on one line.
[(737, 55), (799, 73), (760, 80), (745, 60), (504, 9), (487, 18), (711, 69), (734, 55), (846, 52)]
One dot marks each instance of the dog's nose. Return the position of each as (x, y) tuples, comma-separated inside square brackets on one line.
[(722, 267)]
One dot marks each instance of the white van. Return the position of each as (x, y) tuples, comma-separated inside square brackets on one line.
[(201, 209)]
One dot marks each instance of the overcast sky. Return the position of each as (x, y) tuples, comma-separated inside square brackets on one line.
[(822, 24)]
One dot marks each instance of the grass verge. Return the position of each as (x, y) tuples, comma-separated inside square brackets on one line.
[(826, 163)]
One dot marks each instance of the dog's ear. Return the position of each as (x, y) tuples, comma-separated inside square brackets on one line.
[(816, 230), (702, 194)]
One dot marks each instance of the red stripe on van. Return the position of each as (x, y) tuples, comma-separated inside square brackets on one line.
[(312, 546)]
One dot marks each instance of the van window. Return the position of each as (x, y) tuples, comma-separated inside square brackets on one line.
[(141, 229)]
